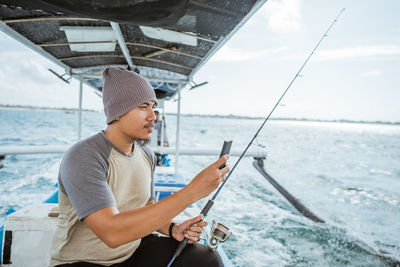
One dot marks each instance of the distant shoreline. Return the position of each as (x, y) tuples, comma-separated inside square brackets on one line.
[(231, 116), (3, 106)]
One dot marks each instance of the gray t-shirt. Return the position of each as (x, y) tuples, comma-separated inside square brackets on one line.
[(94, 175)]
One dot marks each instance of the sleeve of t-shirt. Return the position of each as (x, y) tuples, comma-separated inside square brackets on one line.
[(83, 178), (152, 157)]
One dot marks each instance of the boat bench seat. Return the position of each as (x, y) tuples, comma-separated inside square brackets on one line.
[(28, 235), (28, 232)]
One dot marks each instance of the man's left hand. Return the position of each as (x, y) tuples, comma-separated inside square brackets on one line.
[(190, 229)]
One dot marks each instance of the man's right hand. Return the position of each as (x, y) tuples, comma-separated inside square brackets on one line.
[(208, 179)]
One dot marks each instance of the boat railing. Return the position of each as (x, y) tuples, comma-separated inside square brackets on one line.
[(21, 150)]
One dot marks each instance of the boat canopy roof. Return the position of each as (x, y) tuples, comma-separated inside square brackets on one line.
[(166, 41)]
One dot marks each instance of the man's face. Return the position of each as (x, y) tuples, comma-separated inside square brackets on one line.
[(139, 122)]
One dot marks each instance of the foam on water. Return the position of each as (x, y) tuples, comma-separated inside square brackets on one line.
[(348, 174)]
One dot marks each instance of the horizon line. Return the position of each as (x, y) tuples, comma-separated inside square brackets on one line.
[(9, 106)]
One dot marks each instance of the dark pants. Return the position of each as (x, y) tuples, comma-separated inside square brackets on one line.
[(157, 251)]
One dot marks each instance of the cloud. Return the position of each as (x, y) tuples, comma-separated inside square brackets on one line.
[(25, 80), (16, 65), (227, 53), (372, 73), (283, 15), (358, 52), (3, 38)]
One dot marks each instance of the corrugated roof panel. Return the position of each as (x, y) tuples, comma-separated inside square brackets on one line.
[(209, 21)]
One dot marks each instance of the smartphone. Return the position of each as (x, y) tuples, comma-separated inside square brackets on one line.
[(226, 148)]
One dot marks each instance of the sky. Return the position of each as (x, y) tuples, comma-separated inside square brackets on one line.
[(353, 75)]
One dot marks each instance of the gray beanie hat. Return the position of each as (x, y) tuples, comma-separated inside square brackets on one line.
[(124, 90)]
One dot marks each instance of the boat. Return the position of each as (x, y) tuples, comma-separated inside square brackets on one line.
[(167, 42)]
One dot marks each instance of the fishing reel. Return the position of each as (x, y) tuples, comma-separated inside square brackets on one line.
[(218, 233)]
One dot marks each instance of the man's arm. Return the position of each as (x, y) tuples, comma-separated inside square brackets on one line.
[(165, 228), (115, 228), (191, 228)]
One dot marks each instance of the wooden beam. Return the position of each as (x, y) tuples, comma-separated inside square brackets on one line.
[(127, 43), (55, 18), (155, 53), (165, 49), (73, 43), (89, 56), (7, 21), (160, 52), (122, 56), (164, 62)]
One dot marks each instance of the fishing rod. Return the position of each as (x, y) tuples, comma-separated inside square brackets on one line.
[(210, 202)]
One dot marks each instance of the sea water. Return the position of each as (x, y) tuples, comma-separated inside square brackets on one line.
[(346, 173)]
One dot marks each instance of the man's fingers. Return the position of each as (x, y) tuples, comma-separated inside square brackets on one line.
[(192, 241), (221, 160), (202, 223), (189, 222), (192, 236), (192, 230), (196, 219), (225, 170)]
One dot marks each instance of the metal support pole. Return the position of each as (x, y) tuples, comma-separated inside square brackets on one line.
[(121, 41), (162, 131), (162, 126), (80, 108), (178, 119)]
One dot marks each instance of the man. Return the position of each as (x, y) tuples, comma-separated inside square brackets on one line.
[(106, 204), (161, 128)]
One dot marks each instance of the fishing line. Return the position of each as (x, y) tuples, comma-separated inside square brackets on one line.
[(210, 202)]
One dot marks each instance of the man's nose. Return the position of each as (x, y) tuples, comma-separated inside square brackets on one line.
[(152, 115)]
